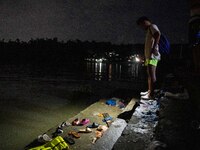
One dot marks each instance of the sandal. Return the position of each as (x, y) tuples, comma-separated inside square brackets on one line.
[(76, 122), (107, 117), (44, 138), (94, 125), (84, 122), (69, 140), (75, 134), (64, 124), (86, 130)]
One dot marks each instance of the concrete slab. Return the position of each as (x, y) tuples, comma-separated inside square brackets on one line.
[(110, 136), (92, 112)]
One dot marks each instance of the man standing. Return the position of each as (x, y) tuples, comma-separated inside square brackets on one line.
[(151, 53)]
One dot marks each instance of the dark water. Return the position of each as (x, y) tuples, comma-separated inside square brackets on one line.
[(114, 71), (101, 71)]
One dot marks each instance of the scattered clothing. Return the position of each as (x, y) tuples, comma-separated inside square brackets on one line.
[(111, 102)]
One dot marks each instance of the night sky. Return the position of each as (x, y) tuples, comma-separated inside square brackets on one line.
[(99, 20)]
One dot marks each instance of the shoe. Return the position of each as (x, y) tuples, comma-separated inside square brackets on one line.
[(76, 122), (59, 131), (94, 125), (84, 122), (86, 130), (44, 138), (107, 117), (69, 140), (144, 93), (64, 124), (102, 128), (74, 134), (146, 97)]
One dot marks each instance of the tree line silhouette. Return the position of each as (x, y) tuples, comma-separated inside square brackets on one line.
[(41, 51), (51, 51)]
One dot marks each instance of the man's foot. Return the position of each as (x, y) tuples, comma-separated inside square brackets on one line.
[(146, 97), (144, 93)]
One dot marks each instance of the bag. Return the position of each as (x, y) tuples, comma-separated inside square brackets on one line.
[(164, 45)]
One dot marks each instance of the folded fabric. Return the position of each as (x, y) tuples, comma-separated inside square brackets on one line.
[(111, 102)]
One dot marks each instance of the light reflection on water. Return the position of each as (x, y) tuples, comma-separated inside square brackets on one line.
[(100, 71), (114, 71)]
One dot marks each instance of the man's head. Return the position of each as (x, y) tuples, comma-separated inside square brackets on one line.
[(144, 22)]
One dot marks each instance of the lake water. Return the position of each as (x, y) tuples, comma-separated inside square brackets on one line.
[(114, 71), (100, 71)]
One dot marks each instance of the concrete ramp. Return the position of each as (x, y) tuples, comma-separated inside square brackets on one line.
[(110, 136), (92, 112)]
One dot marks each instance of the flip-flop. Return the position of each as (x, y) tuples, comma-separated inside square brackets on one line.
[(69, 140), (76, 122), (102, 128), (44, 138), (75, 134), (58, 131), (86, 130), (93, 125), (107, 117), (98, 134), (64, 124), (84, 121)]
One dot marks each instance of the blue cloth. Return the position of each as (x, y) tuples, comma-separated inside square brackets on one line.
[(111, 102)]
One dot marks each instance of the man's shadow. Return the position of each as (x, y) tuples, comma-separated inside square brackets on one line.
[(128, 114)]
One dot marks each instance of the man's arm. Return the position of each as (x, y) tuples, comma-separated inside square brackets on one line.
[(156, 37)]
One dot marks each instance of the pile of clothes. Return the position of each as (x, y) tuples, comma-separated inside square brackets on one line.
[(147, 115)]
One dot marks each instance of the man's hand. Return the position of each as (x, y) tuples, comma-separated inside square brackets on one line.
[(154, 51)]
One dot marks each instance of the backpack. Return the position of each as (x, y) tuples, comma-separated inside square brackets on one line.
[(164, 45)]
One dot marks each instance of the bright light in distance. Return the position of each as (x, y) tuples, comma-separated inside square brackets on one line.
[(100, 60), (137, 59)]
